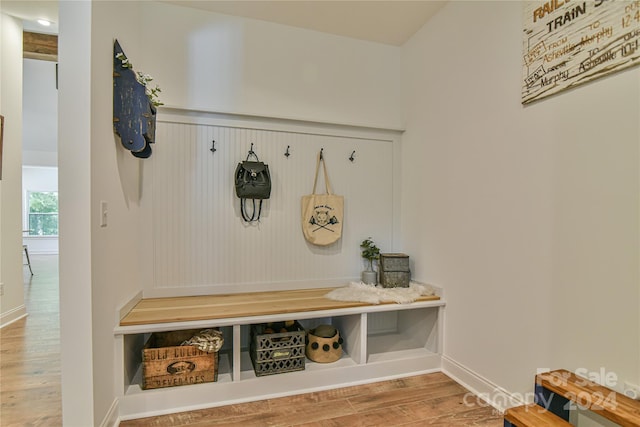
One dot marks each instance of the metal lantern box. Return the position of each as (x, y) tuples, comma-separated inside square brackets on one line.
[(394, 270)]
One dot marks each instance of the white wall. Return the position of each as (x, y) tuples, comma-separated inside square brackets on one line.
[(74, 135), (527, 216), (97, 265), (36, 178), (116, 177), (217, 62), (11, 269), (40, 113)]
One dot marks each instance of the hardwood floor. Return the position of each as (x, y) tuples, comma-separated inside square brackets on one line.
[(30, 353), (30, 385), (433, 400)]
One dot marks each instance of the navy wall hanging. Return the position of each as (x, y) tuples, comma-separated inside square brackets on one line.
[(134, 112)]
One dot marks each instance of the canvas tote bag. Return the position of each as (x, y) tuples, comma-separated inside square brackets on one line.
[(322, 214)]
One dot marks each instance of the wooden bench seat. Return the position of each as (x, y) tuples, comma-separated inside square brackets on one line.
[(601, 400), (532, 416), (211, 307)]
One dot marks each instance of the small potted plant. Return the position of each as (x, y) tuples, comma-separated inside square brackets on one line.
[(370, 252)]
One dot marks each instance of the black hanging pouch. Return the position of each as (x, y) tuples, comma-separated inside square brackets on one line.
[(253, 182)]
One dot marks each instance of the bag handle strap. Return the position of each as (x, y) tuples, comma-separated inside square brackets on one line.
[(245, 215), (326, 177), (252, 153)]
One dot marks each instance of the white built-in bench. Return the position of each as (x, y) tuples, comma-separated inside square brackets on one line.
[(381, 341)]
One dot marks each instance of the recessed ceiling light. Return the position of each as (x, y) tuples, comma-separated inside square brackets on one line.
[(44, 22)]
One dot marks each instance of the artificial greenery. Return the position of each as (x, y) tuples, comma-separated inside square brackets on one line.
[(144, 80), (369, 251)]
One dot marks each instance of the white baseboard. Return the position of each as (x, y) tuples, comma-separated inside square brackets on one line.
[(13, 315), (485, 390), (111, 419)]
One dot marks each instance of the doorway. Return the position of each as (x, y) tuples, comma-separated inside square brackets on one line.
[(39, 157)]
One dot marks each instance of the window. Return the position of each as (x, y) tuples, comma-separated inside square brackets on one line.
[(43, 213)]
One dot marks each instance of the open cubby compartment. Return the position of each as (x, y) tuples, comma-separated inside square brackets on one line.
[(351, 331), (393, 335), (132, 358), (349, 326)]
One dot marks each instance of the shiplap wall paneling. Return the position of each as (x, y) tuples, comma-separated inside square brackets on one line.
[(199, 237)]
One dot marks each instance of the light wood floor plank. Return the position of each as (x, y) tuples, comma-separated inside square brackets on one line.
[(30, 392), (432, 399)]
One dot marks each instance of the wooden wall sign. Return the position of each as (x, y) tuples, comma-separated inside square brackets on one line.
[(568, 42), (134, 117)]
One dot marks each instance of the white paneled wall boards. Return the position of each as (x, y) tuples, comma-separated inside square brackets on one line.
[(200, 244)]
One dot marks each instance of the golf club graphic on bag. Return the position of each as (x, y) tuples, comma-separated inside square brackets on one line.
[(321, 218), (253, 182)]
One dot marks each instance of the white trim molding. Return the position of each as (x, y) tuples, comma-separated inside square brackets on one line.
[(13, 315), (486, 391), (112, 419)]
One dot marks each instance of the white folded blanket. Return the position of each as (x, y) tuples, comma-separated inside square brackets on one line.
[(358, 291)]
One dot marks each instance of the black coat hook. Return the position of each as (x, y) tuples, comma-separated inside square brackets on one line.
[(287, 153), (352, 158), (251, 149), (321, 157), (213, 146)]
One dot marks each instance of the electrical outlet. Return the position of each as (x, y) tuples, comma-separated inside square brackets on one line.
[(632, 390)]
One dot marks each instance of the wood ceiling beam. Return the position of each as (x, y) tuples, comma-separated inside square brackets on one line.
[(40, 46)]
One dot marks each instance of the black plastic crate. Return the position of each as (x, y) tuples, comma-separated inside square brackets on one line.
[(278, 352)]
